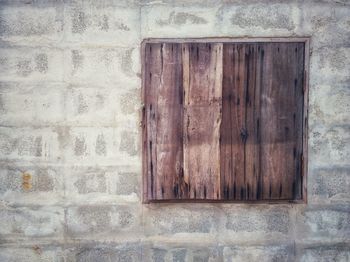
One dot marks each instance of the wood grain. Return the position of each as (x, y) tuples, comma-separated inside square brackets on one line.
[(281, 120), (261, 132), (164, 118), (202, 118), (151, 82), (233, 122), (240, 130)]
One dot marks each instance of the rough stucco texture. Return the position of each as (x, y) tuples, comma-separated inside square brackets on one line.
[(70, 160)]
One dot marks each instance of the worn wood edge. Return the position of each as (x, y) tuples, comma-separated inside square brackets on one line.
[(228, 39), (305, 119), (143, 132), (222, 201), (185, 89)]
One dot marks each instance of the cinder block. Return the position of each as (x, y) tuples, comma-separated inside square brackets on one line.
[(328, 146), (31, 104), (27, 144), (187, 219), (129, 142), (102, 24), (35, 252), (324, 223), (325, 253), (328, 65), (178, 21), (326, 28), (259, 19), (106, 252), (101, 145), (87, 180), (96, 185), (129, 183), (107, 66), (259, 253), (329, 185), (329, 105), (161, 252), (101, 106), (213, 254), (156, 254), (31, 23), (130, 103), (179, 254), (31, 64), (31, 185), (111, 222), (31, 222), (92, 106), (256, 223)]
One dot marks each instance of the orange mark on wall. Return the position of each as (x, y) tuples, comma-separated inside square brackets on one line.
[(26, 181)]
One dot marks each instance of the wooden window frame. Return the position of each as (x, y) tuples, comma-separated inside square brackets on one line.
[(304, 160)]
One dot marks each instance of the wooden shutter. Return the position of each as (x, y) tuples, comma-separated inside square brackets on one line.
[(224, 121)]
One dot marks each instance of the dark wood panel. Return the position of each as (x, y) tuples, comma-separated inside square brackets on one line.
[(261, 132), (281, 120), (202, 116), (233, 122), (253, 178), (240, 135), (164, 114)]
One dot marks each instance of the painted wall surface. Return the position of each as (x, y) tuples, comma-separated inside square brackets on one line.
[(70, 158)]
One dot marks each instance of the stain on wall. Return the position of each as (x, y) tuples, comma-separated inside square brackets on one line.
[(27, 181)]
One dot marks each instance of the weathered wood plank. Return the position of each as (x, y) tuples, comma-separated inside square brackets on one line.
[(281, 119), (152, 81), (261, 132), (253, 180), (233, 122), (240, 162), (304, 161), (163, 71), (144, 92), (298, 121), (170, 124), (202, 118)]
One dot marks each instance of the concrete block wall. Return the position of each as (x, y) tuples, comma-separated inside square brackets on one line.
[(70, 158)]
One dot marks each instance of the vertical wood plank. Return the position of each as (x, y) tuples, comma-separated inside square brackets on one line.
[(145, 198), (254, 62), (261, 130), (202, 118), (240, 144), (163, 110), (186, 88), (151, 83), (305, 120), (170, 124), (281, 116), (233, 122), (298, 121)]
